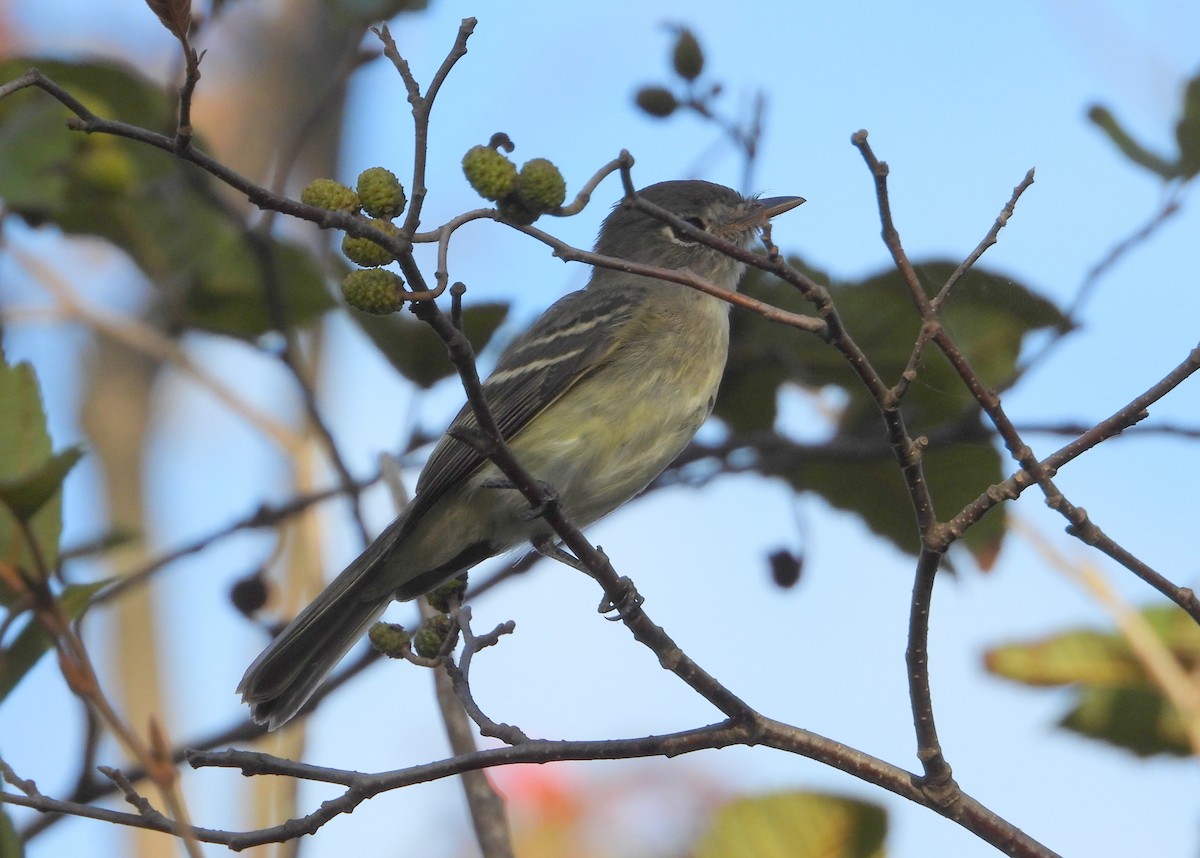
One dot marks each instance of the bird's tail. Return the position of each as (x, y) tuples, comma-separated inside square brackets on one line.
[(289, 670)]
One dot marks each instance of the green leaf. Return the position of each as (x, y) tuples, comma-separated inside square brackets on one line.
[(229, 292), (1103, 119), (33, 182), (1116, 700), (860, 475), (29, 493), (10, 843), (988, 315), (1082, 655), (795, 825), (1095, 657), (166, 214), (764, 356), (1140, 720), (1187, 130), (1177, 630), (36, 147), (24, 448), (415, 350), (32, 643)]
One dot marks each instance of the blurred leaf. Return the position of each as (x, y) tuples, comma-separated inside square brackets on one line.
[(106, 87), (861, 476), (764, 356), (1187, 137), (27, 494), (37, 149), (1086, 656), (1116, 700), (229, 293), (1187, 130), (1096, 657), (166, 214), (749, 391), (33, 180), (10, 842), (415, 350), (33, 641), (795, 825), (1140, 720), (988, 315), (1177, 630), (1103, 119), (24, 448)]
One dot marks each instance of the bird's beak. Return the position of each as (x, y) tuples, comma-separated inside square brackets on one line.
[(759, 212), (772, 206)]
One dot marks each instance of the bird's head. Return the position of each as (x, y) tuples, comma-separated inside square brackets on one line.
[(631, 234)]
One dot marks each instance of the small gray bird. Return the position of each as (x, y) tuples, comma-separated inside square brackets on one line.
[(595, 399)]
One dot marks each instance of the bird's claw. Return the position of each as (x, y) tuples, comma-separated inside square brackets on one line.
[(624, 601), (539, 509), (547, 547), (536, 510)]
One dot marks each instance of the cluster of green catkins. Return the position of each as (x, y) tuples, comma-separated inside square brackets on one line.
[(380, 196), (394, 641), (521, 196)]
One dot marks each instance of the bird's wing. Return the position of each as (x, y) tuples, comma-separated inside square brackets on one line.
[(577, 334)]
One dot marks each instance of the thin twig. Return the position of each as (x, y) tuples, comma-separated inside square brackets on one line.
[(487, 810), (987, 241), (938, 781), (422, 107), (1081, 525), (685, 276), (1115, 424), (488, 815), (460, 674)]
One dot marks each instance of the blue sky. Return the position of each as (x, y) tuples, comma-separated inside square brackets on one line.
[(960, 100)]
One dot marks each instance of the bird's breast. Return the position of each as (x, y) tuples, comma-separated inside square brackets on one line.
[(617, 428)]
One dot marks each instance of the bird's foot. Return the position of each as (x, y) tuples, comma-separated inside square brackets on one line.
[(624, 600)]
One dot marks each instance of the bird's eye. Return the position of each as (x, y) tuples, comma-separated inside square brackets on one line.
[(694, 221)]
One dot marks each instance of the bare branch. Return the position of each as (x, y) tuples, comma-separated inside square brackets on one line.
[(988, 241)]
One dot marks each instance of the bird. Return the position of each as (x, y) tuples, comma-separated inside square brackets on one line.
[(595, 400)]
